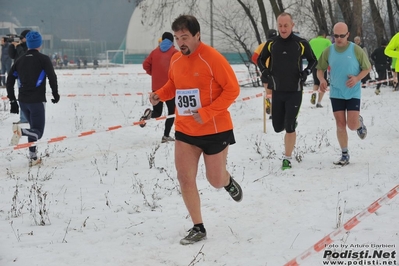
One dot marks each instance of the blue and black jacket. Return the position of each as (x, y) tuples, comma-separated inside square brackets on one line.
[(31, 70)]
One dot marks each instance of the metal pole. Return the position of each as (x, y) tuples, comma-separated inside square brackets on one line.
[(211, 23)]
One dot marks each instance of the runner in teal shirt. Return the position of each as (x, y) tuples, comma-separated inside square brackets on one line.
[(348, 65)]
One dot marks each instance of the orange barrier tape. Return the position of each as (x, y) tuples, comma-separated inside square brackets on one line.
[(142, 93), (349, 225), (111, 128), (99, 74), (116, 73)]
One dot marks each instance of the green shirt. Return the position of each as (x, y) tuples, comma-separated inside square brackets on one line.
[(319, 44), (392, 50)]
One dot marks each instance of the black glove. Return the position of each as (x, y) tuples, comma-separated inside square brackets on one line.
[(266, 74), (14, 107), (303, 75), (56, 97)]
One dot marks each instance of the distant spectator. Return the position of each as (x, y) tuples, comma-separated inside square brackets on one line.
[(95, 63), (15, 51), (5, 61), (85, 63), (382, 63), (65, 59)]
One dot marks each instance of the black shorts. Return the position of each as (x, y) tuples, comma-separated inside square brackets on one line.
[(285, 109), (342, 104), (316, 81), (209, 144)]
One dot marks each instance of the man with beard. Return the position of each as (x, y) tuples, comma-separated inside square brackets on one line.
[(204, 85)]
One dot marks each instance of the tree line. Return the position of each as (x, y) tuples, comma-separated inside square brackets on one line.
[(242, 24)]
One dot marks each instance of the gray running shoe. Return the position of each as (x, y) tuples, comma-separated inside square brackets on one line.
[(234, 190), (167, 139), (362, 130), (344, 160), (318, 105), (194, 235)]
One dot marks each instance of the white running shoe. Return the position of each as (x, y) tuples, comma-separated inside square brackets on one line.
[(17, 133), (33, 162)]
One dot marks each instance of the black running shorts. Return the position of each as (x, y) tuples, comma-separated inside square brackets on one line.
[(316, 81), (342, 104), (210, 144)]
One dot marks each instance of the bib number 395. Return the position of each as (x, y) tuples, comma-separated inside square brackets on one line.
[(187, 101)]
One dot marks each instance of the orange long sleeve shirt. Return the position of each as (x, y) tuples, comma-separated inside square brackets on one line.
[(205, 82)]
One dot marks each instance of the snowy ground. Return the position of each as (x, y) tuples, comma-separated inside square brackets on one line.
[(112, 198)]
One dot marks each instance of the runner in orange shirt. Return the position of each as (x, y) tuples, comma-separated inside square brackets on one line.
[(204, 85)]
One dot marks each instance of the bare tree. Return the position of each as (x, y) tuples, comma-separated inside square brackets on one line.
[(236, 34), (347, 14), (263, 16), (155, 12), (331, 13), (377, 21), (392, 27), (357, 18), (319, 14), (248, 12), (352, 16), (396, 4), (277, 7), (244, 24)]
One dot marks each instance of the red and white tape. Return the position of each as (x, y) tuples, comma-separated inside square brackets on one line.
[(108, 129), (349, 225)]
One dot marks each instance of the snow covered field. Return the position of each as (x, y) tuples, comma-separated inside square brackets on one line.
[(112, 197)]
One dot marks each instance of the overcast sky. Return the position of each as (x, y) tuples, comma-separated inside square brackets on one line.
[(98, 20)]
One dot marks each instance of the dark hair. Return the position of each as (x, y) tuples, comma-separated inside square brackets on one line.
[(186, 22), (321, 33), (384, 42), (271, 33), (167, 35)]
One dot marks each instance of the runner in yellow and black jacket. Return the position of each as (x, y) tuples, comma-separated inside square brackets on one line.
[(284, 70)]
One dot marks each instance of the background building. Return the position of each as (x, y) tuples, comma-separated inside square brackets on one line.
[(74, 27)]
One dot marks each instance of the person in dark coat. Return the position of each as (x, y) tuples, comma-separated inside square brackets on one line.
[(382, 63), (31, 70), (15, 51), (5, 61)]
